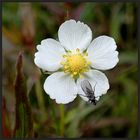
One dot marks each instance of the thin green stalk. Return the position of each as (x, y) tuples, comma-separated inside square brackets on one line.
[(62, 125), (40, 99)]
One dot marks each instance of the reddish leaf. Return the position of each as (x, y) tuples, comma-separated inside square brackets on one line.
[(5, 128), (24, 122)]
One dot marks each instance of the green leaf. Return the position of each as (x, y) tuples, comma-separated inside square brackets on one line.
[(116, 21)]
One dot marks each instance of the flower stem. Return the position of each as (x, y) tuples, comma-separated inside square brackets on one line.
[(62, 125), (40, 99)]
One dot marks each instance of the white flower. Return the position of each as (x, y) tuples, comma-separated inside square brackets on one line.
[(73, 59)]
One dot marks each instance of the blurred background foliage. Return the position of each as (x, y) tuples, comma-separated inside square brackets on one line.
[(24, 25)]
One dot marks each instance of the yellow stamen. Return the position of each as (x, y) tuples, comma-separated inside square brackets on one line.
[(74, 73), (75, 63)]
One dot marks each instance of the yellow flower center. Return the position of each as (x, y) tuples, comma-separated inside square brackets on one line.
[(75, 63)]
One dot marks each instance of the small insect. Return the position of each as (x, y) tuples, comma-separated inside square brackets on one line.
[(87, 88)]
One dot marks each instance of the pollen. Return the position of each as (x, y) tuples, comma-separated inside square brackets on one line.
[(75, 63)]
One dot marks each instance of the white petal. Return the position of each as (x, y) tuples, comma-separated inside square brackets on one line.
[(61, 87), (98, 81), (74, 35), (102, 53), (49, 55)]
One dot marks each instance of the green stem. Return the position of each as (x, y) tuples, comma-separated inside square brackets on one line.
[(62, 125), (40, 99)]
